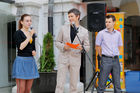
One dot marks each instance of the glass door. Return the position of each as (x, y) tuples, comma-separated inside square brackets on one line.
[(11, 29), (132, 43)]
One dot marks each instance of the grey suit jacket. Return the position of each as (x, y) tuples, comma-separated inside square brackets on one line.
[(64, 37)]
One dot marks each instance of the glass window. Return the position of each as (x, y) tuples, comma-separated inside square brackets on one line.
[(7, 47)]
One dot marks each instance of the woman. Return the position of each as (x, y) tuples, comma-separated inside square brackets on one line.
[(24, 67)]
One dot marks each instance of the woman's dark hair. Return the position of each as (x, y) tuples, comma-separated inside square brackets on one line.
[(75, 11), (111, 16), (21, 19)]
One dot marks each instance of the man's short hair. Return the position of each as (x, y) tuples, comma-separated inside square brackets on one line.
[(75, 11), (111, 16)]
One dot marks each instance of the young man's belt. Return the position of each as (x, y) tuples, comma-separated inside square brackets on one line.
[(110, 56)]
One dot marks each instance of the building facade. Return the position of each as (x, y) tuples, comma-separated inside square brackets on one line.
[(10, 12)]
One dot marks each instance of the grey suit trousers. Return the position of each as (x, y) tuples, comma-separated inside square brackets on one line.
[(109, 65)]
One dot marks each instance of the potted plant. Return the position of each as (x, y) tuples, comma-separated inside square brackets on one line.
[(47, 81)]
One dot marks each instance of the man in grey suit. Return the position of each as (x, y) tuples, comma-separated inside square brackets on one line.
[(108, 43), (70, 58)]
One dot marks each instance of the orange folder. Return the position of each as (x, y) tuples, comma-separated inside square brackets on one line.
[(72, 45)]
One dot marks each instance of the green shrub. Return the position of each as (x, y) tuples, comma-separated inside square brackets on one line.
[(47, 62)]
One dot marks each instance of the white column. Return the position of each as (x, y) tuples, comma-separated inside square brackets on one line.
[(138, 3), (116, 3)]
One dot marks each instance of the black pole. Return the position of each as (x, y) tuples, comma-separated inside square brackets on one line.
[(83, 70), (50, 16), (50, 25)]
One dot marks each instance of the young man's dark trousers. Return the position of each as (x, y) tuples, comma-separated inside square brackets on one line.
[(109, 65)]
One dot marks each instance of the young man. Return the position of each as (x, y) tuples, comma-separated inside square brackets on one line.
[(70, 58), (108, 43)]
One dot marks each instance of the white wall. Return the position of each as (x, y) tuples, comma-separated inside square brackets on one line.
[(138, 3), (116, 3), (36, 1)]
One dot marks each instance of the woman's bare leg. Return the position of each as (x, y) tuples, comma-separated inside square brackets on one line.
[(20, 85), (28, 85)]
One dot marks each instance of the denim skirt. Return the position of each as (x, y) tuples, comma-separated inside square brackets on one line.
[(25, 68)]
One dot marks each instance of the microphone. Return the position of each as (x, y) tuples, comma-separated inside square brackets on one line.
[(75, 28), (31, 27)]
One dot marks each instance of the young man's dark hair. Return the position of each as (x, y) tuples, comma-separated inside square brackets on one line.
[(111, 16), (75, 11)]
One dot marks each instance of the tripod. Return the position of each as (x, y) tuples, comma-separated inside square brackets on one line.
[(96, 76), (84, 52)]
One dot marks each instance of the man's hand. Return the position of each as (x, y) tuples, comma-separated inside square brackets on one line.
[(33, 52), (99, 50), (80, 47), (66, 47)]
